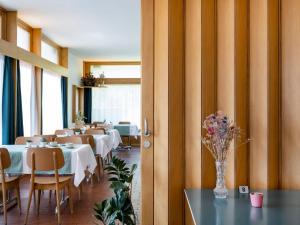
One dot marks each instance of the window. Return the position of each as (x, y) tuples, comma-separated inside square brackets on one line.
[(26, 75), (117, 71), (49, 52), (52, 105), (23, 38), (117, 103), (1, 91)]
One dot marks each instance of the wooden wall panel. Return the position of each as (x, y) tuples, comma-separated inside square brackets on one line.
[(193, 94), (225, 70), (208, 82), (161, 134), (176, 111), (290, 94), (242, 88), (274, 93), (258, 93)]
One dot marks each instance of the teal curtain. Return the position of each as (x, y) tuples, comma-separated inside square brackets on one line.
[(19, 124), (64, 100), (88, 105), (8, 103)]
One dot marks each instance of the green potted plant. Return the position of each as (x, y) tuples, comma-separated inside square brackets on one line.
[(118, 210)]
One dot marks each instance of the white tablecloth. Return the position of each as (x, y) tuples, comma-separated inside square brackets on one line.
[(82, 158), (103, 144), (116, 138)]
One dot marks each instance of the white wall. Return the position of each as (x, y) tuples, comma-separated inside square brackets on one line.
[(75, 73)]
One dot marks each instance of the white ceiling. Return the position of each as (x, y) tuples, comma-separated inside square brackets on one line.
[(92, 29)]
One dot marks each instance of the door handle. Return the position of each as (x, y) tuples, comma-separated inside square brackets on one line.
[(147, 132)]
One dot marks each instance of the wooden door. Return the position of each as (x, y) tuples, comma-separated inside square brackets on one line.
[(147, 62)]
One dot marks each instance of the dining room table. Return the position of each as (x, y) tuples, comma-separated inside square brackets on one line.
[(79, 158)]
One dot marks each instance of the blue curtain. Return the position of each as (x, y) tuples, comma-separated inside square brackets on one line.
[(88, 105), (8, 103), (64, 100), (19, 123)]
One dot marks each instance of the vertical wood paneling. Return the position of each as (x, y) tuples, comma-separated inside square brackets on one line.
[(147, 64), (192, 99), (176, 111), (258, 93), (274, 93), (225, 70), (208, 82), (242, 88), (193, 94), (161, 125), (290, 94)]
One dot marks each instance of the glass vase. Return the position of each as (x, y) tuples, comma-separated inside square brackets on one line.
[(220, 190)]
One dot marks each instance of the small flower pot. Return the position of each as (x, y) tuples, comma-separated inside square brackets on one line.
[(256, 199)]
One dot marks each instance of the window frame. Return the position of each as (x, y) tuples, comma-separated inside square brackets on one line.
[(88, 64), (54, 45)]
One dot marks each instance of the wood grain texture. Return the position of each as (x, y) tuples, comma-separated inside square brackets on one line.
[(274, 93), (147, 155), (161, 124), (290, 94), (242, 88), (208, 82), (36, 41), (258, 93), (225, 70), (193, 94), (176, 111)]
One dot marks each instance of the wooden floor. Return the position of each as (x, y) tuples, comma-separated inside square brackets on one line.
[(83, 209)]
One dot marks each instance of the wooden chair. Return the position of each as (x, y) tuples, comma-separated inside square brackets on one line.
[(69, 139), (49, 138), (64, 132), (47, 159), (126, 136), (8, 182), (96, 131), (23, 140)]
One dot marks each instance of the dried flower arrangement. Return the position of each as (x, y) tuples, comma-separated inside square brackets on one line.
[(220, 131)]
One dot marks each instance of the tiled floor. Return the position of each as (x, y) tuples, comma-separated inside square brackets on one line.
[(83, 209)]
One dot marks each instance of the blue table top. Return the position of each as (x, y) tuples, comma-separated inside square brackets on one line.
[(280, 207)]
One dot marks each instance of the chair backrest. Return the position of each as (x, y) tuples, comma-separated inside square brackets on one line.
[(45, 158), (69, 139), (64, 132), (87, 139), (96, 131), (5, 159), (124, 122), (23, 140), (49, 138)]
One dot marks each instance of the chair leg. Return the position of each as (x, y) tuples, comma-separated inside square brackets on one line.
[(4, 205), (98, 168), (50, 195), (38, 202), (70, 199), (58, 205), (29, 202), (18, 197)]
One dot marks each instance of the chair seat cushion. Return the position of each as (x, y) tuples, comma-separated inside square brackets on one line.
[(51, 179)]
